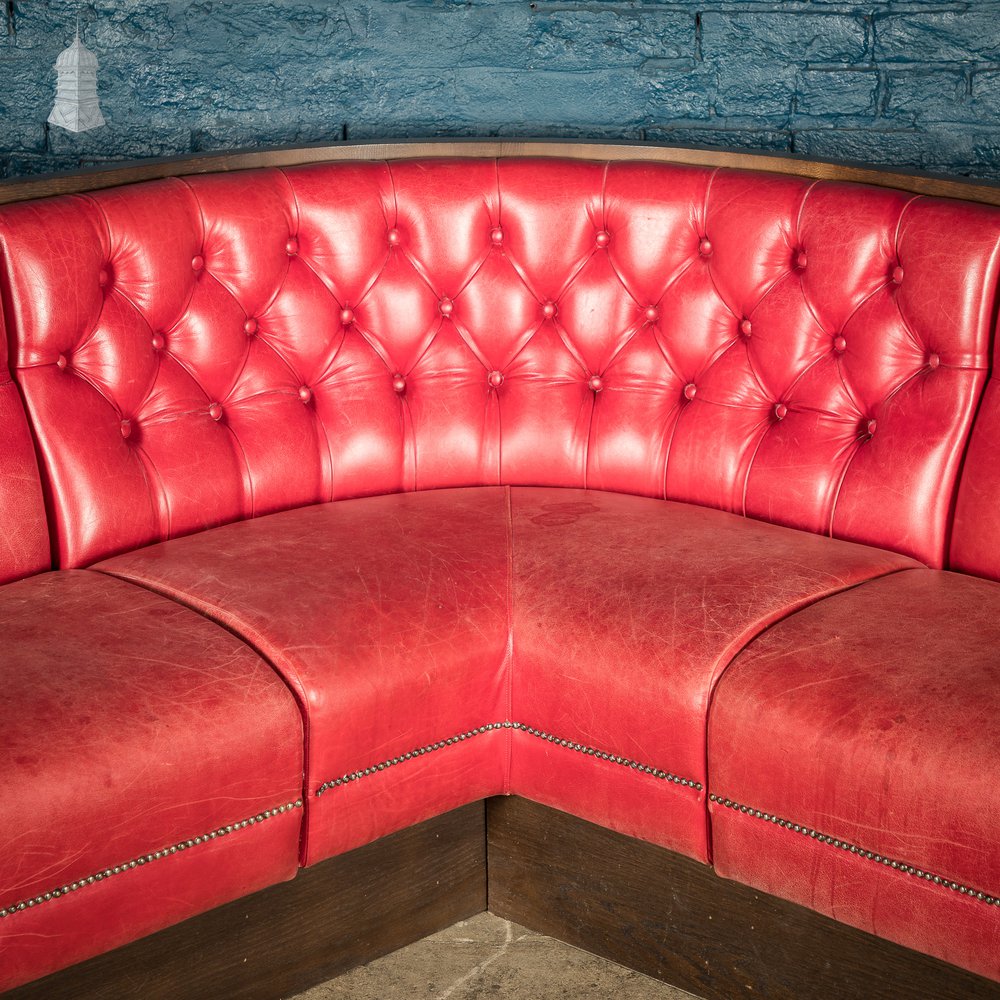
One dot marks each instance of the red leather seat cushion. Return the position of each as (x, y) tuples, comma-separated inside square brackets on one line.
[(391, 618), (388, 617), (131, 727), (867, 724), (626, 612)]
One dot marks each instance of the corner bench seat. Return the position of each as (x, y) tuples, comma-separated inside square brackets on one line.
[(625, 487), (131, 727), (564, 611)]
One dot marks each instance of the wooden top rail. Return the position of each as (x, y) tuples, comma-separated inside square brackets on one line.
[(22, 189)]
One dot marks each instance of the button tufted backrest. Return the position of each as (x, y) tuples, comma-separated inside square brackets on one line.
[(24, 536), (198, 350)]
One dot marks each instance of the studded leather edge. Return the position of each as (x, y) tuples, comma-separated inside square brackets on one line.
[(521, 727), (145, 859), (845, 845)]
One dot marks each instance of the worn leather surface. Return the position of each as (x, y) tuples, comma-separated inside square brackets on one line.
[(388, 618), (200, 350), (397, 633), (627, 610), (870, 718), (128, 725)]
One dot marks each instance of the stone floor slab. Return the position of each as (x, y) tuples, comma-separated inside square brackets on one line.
[(488, 957)]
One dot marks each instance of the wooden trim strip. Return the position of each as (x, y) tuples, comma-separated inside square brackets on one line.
[(23, 189)]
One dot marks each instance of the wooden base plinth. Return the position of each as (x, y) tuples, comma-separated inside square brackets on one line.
[(676, 920)]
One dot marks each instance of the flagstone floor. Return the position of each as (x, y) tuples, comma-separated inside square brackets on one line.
[(487, 957)]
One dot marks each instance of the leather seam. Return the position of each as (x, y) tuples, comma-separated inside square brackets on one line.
[(845, 845), (145, 859), (511, 727), (509, 655), (760, 630)]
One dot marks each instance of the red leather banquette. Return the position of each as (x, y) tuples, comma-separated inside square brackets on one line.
[(372, 489)]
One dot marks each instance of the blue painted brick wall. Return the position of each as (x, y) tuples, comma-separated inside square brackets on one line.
[(906, 82)]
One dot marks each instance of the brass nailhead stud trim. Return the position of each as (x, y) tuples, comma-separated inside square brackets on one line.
[(845, 845), (489, 727), (145, 859)]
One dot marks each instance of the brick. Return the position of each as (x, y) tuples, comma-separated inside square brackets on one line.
[(751, 88), (544, 97), (863, 145), (581, 39), (837, 92), (24, 106), (734, 137), (236, 133), (940, 150), (951, 36), (263, 34), (986, 96), (919, 96), (110, 142), (790, 38), (23, 164), (679, 93)]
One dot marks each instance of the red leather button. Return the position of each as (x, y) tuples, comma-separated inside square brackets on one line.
[(839, 345), (292, 246), (496, 379), (496, 235), (705, 248), (305, 393), (126, 428), (549, 310), (158, 342), (690, 390), (347, 316), (780, 411), (595, 383), (446, 306), (603, 238), (652, 314), (801, 260), (197, 262), (398, 383), (393, 237), (250, 327), (61, 361), (746, 327), (897, 275), (934, 360), (870, 427), (104, 277), (215, 411)]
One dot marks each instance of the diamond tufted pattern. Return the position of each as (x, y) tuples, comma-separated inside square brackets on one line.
[(203, 350)]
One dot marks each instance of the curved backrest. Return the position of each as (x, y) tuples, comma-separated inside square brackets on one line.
[(198, 350), (24, 536)]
